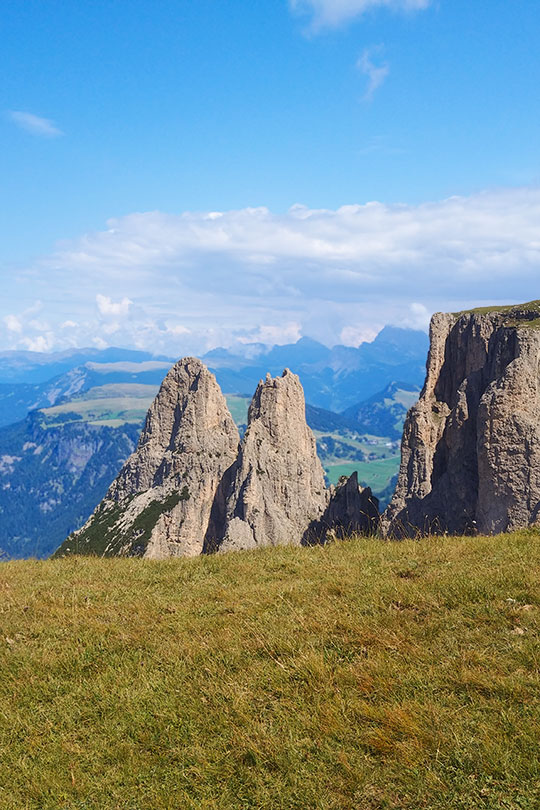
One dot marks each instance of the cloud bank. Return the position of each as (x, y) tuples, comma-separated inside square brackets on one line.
[(191, 281)]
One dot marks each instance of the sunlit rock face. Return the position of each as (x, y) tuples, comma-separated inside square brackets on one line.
[(277, 490), (164, 501), (471, 445)]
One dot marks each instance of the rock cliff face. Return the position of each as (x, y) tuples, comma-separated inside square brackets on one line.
[(278, 488), (165, 500), (471, 445)]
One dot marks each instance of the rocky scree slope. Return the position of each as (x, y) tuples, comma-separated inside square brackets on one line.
[(471, 445)]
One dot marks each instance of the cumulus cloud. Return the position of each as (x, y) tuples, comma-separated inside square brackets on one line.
[(376, 74), (13, 323), (331, 13), (199, 280), (176, 329), (417, 317), (34, 124), (482, 235), (39, 343), (107, 306)]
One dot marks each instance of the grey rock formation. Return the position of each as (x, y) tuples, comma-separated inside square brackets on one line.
[(278, 486), (351, 510), (471, 445), (166, 499)]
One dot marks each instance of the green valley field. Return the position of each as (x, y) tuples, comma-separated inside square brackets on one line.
[(363, 674)]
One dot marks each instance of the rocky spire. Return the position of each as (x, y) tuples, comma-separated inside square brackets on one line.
[(277, 487), (163, 502), (471, 445)]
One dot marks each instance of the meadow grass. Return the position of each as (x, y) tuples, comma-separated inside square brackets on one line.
[(375, 474), (360, 675)]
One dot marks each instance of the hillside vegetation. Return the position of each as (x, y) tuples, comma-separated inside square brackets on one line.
[(358, 675), (51, 478)]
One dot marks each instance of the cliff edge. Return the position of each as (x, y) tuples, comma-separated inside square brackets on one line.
[(471, 445)]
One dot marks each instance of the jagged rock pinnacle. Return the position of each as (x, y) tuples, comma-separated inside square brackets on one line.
[(278, 483), (163, 501)]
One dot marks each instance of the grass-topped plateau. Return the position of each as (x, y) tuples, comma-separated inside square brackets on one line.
[(519, 315), (360, 675)]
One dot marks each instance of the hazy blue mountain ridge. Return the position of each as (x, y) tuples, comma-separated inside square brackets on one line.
[(51, 479), (334, 379), (18, 399), (383, 414), (38, 367)]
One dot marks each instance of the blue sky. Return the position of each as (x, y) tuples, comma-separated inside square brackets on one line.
[(125, 124)]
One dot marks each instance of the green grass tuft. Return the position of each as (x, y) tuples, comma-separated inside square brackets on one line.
[(356, 676)]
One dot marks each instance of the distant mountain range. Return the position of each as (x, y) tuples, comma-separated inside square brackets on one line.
[(71, 419), (334, 379), (382, 414), (19, 398), (39, 367)]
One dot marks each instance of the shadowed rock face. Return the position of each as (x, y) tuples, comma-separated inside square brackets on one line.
[(351, 510), (471, 445), (163, 502), (278, 487)]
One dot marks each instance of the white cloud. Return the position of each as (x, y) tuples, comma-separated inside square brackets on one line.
[(483, 235), (111, 327), (39, 343), (195, 282), (331, 13), (177, 329), (355, 335), (417, 317), (376, 74), (34, 124), (273, 335), (13, 323), (107, 306)]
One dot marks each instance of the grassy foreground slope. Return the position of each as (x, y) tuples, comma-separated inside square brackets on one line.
[(360, 675)]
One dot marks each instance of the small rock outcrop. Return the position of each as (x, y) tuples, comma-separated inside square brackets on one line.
[(351, 510), (166, 499), (471, 445), (278, 487)]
